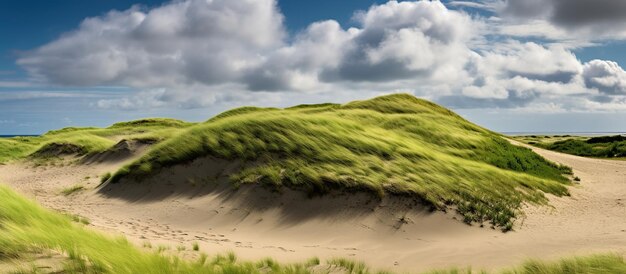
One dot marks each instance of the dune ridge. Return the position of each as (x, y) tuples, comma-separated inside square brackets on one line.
[(395, 144)]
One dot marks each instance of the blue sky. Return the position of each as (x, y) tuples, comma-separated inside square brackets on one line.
[(79, 63)]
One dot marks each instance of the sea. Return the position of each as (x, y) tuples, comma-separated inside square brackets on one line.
[(585, 134)]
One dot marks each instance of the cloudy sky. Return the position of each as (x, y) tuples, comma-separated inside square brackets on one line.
[(509, 65)]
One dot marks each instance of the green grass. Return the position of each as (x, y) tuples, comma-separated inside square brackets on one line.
[(72, 189), (350, 266), (105, 177), (595, 264), (599, 147), (394, 144), (26, 228), (15, 148), (89, 140)]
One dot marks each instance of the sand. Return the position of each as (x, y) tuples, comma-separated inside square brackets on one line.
[(394, 234)]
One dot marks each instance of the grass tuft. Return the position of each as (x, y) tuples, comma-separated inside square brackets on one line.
[(72, 189), (602, 263), (105, 177)]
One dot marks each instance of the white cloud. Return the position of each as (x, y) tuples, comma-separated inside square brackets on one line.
[(197, 53), (606, 76), (199, 46), (192, 41), (575, 22), (161, 97)]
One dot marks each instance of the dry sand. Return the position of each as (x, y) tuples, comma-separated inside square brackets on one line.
[(393, 234)]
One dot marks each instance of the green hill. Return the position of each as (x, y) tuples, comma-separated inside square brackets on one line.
[(87, 141), (390, 145), (599, 147)]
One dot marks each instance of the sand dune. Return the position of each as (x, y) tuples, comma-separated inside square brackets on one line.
[(393, 233)]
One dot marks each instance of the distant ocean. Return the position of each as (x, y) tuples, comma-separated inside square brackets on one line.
[(564, 133)]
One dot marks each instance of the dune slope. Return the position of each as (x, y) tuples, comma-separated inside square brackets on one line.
[(394, 144), (89, 142)]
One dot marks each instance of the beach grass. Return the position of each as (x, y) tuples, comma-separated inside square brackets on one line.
[(27, 228), (395, 144), (597, 147), (87, 140), (72, 189), (593, 264)]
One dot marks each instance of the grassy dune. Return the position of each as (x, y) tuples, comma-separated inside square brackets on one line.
[(395, 144), (85, 141), (26, 228), (600, 147), (392, 144)]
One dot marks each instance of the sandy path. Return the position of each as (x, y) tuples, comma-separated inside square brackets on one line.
[(384, 236)]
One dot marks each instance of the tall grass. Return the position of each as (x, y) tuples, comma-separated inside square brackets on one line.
[(392, 144), (89, 140), (615, 149), (594, 264), (25, 228), (600, 147)]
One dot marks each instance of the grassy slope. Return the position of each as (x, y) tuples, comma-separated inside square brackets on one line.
[(26, 228), (393, 144), (601, 147), (89, 140)]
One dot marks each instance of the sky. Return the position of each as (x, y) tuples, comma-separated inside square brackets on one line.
[(508, 65)]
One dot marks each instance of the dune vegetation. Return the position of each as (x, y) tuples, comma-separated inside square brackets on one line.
[(389, 145), (599, 147), (395, 144), (86, 141), (26, 229)]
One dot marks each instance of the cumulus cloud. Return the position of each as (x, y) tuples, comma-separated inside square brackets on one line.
[(187, 98), (404, 40), (191, 41), (606, 76), (519, 71), (216, 42), (568, 13), (526, 9), (196, 53), (297, 66), (593, 18)]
